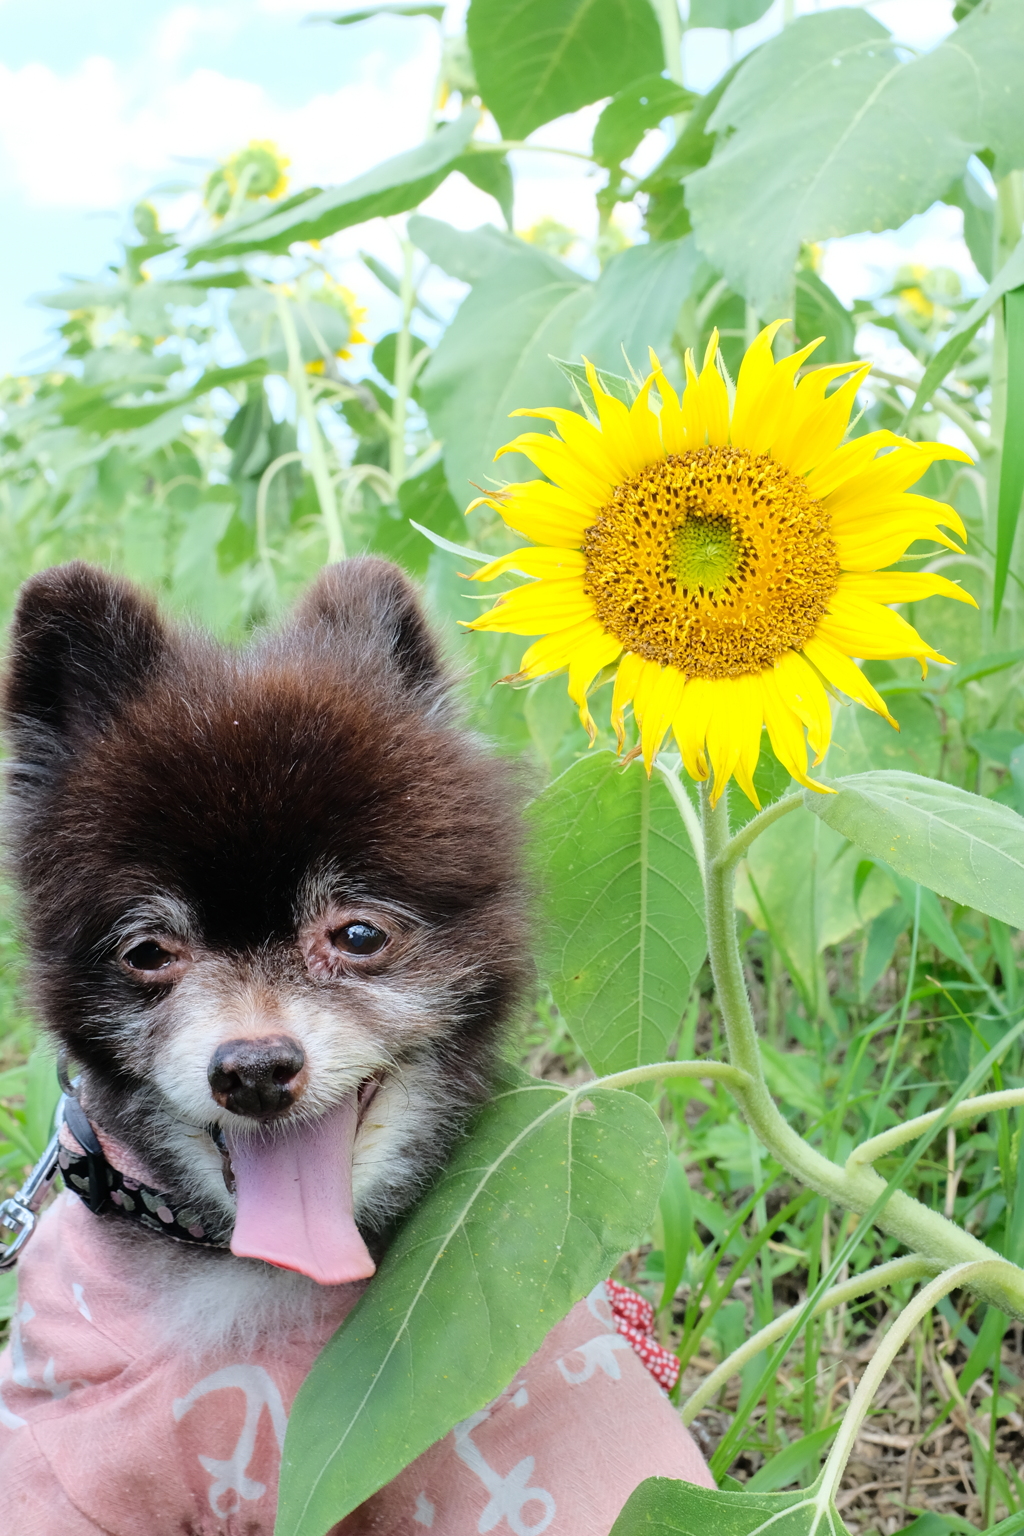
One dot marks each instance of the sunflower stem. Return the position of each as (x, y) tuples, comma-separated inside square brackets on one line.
[(306, 408), (857, 1187), (737, 846)]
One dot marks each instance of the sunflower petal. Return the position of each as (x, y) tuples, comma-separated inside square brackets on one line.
[(753, 379), (543, 512), (537, 608), (690, 726), (902, 586), (655, 707), (535, 562), (584, 666), (555, 651), (845, 675), (557, 460), (626, 680), (824, 428), (734, 734), (863, 628)]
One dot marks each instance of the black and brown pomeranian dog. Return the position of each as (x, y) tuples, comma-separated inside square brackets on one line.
[(274, 913), (264, 891)]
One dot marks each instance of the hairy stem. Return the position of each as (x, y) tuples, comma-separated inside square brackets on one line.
[(912, 1267), (859, 1189), (969, 1109), (977, 1276)]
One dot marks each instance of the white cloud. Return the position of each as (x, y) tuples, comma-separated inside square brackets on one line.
[(95, 139)]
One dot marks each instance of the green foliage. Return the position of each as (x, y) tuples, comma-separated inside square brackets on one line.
[(496, 354), (204, 430), (636, 304), (549, 1191), (631, 112), (955, 843), (537, 59), (623, 916), (772, 184), (662, 1506), (1011, 464), (393, 187)]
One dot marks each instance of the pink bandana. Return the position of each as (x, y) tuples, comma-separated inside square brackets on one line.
[(107, 1431)]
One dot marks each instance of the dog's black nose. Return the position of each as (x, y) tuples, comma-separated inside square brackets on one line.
[(256, 1077)]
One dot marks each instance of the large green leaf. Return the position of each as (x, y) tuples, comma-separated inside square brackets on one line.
[(730, 14), (399, 8), (624, 926), (664, 1507), (833, 130), (631, 112), (391, 187), (992, 37), (1011, 464), (955, 843), (637, 301), (496, 354), (471, 254), (536, 59), (534, 1209)]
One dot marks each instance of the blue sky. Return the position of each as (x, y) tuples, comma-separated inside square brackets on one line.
[(99, 102)]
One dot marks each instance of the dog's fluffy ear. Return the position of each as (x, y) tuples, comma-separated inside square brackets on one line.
[(82, 644), (367, 611)]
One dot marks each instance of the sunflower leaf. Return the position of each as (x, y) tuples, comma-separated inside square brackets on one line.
[(537, 59), (953, 842), (495, 355), (534, 1208), (637, 300), (391, 187), (890, 135), (631, 112), (661, 1506), (611, 383), (624, 908), (728, 14)]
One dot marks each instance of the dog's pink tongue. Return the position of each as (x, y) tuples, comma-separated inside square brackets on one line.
[(294, 1193)]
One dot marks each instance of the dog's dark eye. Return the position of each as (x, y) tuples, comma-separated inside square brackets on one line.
[(359, 939), (148, 956)]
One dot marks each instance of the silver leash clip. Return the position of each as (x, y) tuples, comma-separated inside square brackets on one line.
[(18, 1213)]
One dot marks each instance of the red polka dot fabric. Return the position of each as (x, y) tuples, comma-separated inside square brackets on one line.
[(634, 1320)]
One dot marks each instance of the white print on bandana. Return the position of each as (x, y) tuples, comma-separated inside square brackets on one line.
[(20, 1372), (425, 1511), (598, 1351), (231, 1476), (509, 1495)]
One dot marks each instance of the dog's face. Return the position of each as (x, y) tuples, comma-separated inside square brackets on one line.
[(272, 899)]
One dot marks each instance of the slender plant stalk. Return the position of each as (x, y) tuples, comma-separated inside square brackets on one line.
[(909, 1268), (403, 366), (969, 1109), (858, 1188), (975, 1275), (263, 548), (318, 466)]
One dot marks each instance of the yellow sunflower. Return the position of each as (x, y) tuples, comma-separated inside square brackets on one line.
[(726, 559)]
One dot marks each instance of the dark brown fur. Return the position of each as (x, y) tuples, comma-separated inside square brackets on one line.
[(150, 762)]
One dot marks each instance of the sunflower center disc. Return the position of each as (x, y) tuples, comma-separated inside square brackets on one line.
[(715, 561)]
